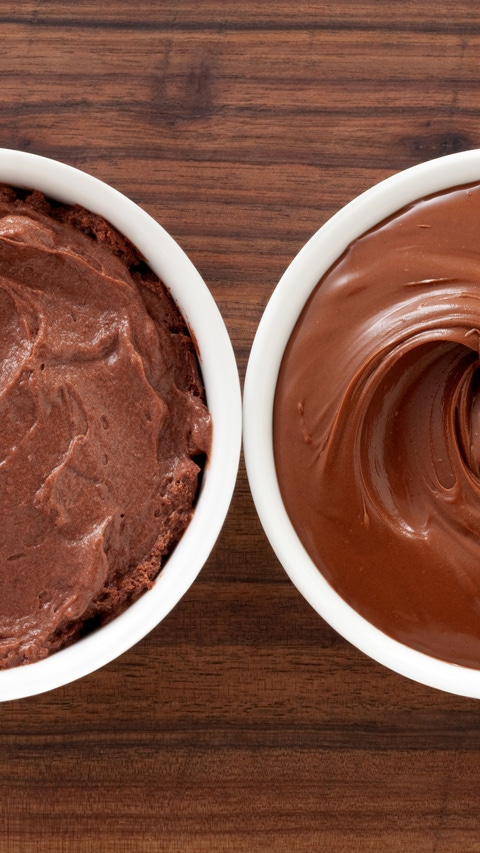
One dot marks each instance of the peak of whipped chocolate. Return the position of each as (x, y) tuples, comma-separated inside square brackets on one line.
[(377, 426), (105, 429)]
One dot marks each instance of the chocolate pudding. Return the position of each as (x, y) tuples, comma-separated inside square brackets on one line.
[(377, 426), (105, 429)]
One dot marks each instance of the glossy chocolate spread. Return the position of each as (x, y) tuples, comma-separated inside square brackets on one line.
[(104, 425), (377, 426)]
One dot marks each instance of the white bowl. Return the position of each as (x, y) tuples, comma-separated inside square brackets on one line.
[(222, 386), (273, 333)]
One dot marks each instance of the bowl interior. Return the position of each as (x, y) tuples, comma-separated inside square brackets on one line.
[(272, 336), (220, 376)]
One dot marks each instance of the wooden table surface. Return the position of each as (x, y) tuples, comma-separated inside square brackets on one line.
[(243, 722)]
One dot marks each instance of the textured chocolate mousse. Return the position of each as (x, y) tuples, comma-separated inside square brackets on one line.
[(105, 429), (377, 426)]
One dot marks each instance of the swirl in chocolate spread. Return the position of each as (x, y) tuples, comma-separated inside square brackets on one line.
[(377, 426), (103, 425)]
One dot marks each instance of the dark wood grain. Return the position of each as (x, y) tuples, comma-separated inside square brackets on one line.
[(243, 722)]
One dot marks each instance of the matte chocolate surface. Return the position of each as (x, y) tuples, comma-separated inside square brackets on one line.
[(104, 425)]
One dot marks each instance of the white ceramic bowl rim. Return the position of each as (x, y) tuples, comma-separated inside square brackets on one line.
[(274, 330), (67, 184)]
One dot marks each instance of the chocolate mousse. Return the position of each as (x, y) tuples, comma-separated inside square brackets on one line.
[(105, 429), (377, 426)]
